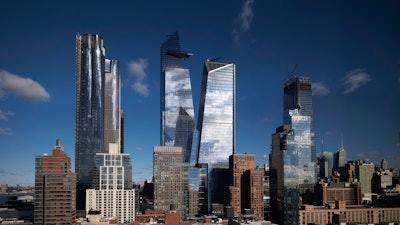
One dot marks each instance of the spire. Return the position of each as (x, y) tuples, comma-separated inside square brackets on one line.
[(341, 141)]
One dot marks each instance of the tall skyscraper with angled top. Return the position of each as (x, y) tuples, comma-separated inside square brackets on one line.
[(216, 123), (177, 113)]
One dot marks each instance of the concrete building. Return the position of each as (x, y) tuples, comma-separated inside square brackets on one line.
[(247, 188), (364, 173), (55, 188), (168, 185), (113, 196), (357, 214), (329, 193)]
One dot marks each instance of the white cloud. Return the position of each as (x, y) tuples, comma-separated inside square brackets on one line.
[(25, 88), (137, 70), (244, 20), (246, 15), (318, 88), (355, 79), (139, 149), (5, 131), (5, 115)]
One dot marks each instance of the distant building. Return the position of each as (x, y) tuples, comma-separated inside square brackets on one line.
[(167, 173), (364, 173), (55, 189), (113, 196), (359, 214), (4, 188), (329, 193), (325, 165), (339, 162)]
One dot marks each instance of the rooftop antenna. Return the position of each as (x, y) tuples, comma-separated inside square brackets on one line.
[(322, 145), (341, 140)]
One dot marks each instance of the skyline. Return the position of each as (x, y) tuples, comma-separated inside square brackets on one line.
[(350, 50)]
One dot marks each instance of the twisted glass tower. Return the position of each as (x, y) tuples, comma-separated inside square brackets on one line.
[(177, 113), (89, 103), (89, 131)]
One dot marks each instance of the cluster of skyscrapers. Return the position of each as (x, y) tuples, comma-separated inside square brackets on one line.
[(196, 170)]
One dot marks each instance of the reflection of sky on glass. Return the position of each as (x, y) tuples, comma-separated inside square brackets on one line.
[(217, 132), (112, 93), (178, 93), (298, 166)]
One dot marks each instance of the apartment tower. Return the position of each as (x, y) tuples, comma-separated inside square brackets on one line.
[(167, 173), (247, 189), (113, 194), (55, 188)]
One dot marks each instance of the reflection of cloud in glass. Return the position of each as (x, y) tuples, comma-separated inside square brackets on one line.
[(178, 93), (217, 134), (298, 166)]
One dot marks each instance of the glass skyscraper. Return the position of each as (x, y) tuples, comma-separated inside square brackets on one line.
[(89, 131), (112, 110), (297, 94), (216, 123), (177, 113), (98, 115), (293, 162), (216, 120)]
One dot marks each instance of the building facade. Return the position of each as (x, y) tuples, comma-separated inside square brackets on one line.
[(113, 195), (364, 173), (168, 185), (216, 121), (329, 193), (55, 188), (112, 112), (292, 169), (297, 93), (177, 112), (247, 189), (89, 130), (359, 214)]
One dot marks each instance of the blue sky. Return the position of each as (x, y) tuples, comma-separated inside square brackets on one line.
[(350, 49)]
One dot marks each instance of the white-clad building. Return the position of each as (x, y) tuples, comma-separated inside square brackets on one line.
[(113, 194)]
